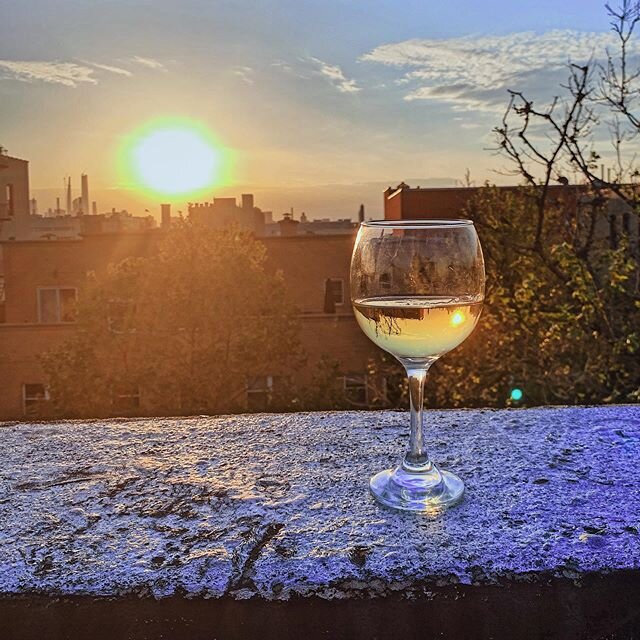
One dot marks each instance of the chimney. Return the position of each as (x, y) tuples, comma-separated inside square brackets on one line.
[(94, 208), (165, 215), (247, 200), (69, 206), (361, 213), (57, 206), (84, 190)]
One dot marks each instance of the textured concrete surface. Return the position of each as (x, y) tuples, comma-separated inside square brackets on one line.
[(277, 505)]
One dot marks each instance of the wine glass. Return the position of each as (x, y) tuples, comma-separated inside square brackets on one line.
[(417, 288)]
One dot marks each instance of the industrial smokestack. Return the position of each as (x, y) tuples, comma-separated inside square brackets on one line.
[(165, 215), (57, 206), (69, 206), (361, 213), (94, 208), (84, 182)]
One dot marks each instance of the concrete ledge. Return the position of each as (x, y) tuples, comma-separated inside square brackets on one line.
[(275, 508)]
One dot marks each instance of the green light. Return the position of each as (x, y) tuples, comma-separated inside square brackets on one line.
[(516, 394), (173, 157)]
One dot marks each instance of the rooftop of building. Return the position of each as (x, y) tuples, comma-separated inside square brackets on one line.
[(8, 157)]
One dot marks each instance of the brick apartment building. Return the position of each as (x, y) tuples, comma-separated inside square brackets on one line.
[(14, 193), (43, 279), (414, 203), (616, 218)]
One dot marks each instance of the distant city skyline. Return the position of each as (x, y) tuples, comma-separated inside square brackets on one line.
[(304, 96), (316, 201)]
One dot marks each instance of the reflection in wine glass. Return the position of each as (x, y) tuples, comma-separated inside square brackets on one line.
[(417, 289)]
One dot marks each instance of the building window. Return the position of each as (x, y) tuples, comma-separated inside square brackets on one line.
[(127, 398), (34, 397), (355, 388), (335, 287), (259, 391), (56, 305), (8, 198)]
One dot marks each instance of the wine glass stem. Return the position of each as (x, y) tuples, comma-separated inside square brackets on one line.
[(417, 458)]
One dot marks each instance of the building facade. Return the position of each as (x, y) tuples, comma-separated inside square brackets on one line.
[(223, 212), (14, 195), (43, 280), (413, 203), (615, 217)]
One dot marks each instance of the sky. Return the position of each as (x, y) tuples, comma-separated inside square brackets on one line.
[(317, 104)]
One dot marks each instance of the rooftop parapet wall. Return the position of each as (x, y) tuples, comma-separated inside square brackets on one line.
[(275, 508)]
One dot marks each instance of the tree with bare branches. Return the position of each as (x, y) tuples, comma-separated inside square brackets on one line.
[(562, 313)]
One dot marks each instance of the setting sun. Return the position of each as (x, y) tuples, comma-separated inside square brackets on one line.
[(174, 159)]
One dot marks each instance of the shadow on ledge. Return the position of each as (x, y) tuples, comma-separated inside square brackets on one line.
[(599, 608)]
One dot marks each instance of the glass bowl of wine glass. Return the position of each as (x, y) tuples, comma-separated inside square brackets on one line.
[(417, 288)]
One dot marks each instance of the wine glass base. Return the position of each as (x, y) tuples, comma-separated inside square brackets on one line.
[(429, 492)]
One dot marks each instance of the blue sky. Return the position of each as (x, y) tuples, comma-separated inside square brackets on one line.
[(304, 93)]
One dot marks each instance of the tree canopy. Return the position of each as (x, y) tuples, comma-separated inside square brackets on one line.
[(181, 331)]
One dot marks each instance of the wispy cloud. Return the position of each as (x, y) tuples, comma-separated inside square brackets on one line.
[(150, 63), (283, 66), (245, 74), (475, 72), (335, 75), (111, 69), (68, 74)]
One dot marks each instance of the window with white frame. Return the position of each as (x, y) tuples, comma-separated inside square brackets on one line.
[(355, 388), (9, 199), (336, 288), (34, 397), (259, 391), (56, 304)]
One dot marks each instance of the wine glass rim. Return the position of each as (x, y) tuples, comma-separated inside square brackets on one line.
[(432, 223)]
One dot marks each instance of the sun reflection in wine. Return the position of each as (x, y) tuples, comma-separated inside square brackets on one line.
[(457, 318)]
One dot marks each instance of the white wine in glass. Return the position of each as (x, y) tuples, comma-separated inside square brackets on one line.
[(417, 326), (417, 288)]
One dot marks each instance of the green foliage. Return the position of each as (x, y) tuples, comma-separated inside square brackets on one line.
[(326, 390), (561, 318), (184, 327)]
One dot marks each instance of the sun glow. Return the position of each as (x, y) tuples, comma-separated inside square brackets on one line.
[(174, 158)]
